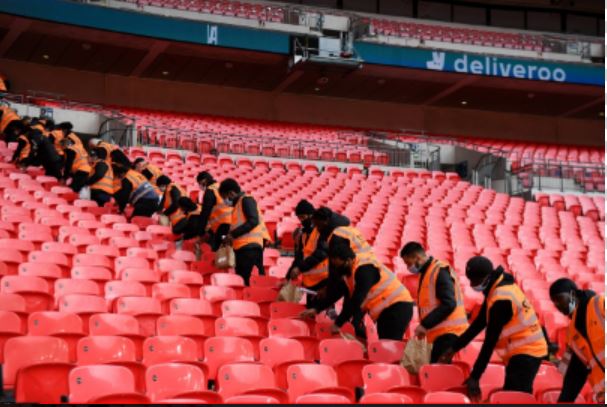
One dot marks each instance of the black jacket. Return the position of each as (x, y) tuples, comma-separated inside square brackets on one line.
[(208, 203), (322, 246), (499, 315), (98, 173)]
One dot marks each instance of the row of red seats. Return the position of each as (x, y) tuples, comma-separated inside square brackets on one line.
[(108, 366), (459, 35), (221, 7)]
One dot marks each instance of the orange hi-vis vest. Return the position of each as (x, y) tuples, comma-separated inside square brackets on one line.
[(81, 160), (40, 126), (58, 136), (522, 335), (221, 213), (8, 115), (178, 215), (141, 188), (156, 172), (358, 244), (2, 85), (27, 149), (386, 292), (105, 184), (72, 136), (107, 147), (256, 236), (457, 322), (320, 272), (591, 350)]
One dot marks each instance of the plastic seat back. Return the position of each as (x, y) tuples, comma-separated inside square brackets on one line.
[(161, 349), (288, 328), (238, 378), (381, 377), (512, 397), (445, 397), (105, 349), (168, 380), (220, 350), (386, 351), (113, 324), (93, 381), (53, 322), (385, 398), (23, 351), (439, 377), (322, 398)]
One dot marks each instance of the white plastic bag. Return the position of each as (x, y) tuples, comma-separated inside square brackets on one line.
[(85, 193)]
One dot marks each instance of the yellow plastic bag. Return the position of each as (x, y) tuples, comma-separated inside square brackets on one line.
[(417, 353), (289, 293)]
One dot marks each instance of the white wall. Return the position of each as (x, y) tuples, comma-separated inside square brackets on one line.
[(84, 122)]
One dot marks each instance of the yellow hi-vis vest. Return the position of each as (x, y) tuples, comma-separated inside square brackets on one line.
[(457, 322), (522, 335), (358, 244), (591, 351), (256, 236), (388, 290), (81, 160), (105, 184)]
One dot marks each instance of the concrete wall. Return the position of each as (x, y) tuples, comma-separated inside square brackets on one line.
[(187, 97)]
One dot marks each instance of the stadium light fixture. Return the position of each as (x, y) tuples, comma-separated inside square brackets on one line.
[(464, 102)]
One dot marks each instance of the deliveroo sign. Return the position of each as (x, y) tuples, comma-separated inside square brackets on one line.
[(485, 65), (494, 66)]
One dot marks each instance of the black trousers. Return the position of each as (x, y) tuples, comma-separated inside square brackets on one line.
[(440, 345), (78, 180), (520, 373), (52, 169), (215, 238), (394, 320), (145, 207), (101, 197), (311, 300), (246, 258)]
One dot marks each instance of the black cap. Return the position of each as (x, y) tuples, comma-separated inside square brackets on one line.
[(304, 208), (478, 268)]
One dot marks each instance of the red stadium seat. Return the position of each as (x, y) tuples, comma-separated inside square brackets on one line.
[(184, 325), (34, 290), (385, 398), (386, 351), (438, 377), (221, 350), (311, 378), (91, 382), (145, 309), (446, 397), (64, 325), (115, 350), (512, 397), (322, 398), (239, 378), (175, 380)]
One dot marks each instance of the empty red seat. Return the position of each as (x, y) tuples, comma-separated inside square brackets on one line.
[(438, 377), (64, 325), (175, 380), (91, 382), (221, 350), (323, 398), (386, 351), (47, 352), (184, 325), (145, 309), (307, 378), (346, 357), (446, 397), (279, 353), (118, 324), (385, 398), (238, 378), (10, 326), (383, 377), (34, 290), (512, 397)]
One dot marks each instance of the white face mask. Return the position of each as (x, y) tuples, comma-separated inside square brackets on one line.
[(481, 287), (228, 202), (572, 304), (414, 269)]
